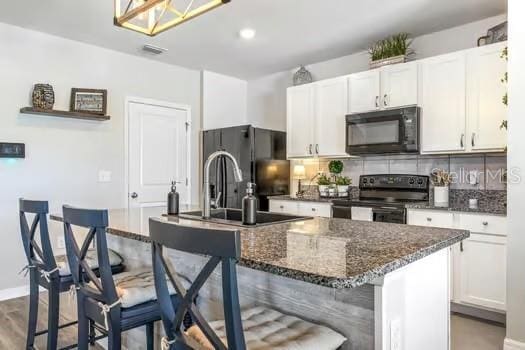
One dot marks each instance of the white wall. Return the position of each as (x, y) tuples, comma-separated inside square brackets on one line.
[(64, 155), (267, 95), (516, 190), (223, 101)]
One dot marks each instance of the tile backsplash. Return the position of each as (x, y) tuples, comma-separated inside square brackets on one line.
[(472, 172)]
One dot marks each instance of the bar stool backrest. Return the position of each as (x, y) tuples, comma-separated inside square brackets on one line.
[(224, 247), (100, 288), (38, 256)]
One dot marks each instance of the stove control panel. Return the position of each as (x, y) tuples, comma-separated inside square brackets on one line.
[(394, 182)]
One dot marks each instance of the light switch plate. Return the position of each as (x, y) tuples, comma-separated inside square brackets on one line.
[(104, 176), (61, 242), (395, 334)]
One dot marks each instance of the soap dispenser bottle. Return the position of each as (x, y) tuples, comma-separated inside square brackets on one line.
[(173, 200), (249, 206)]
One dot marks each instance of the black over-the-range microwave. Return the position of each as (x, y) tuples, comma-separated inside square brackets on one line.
[(383, 132)]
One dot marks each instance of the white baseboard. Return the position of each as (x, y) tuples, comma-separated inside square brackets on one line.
[(12, 293), (513, 345)]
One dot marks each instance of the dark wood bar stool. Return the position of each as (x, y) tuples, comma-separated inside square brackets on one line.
[(255, 328), (48, 271), (115, 303)]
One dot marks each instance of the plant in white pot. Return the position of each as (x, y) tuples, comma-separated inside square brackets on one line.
[(323, 182), (441, 180), (343, 183)]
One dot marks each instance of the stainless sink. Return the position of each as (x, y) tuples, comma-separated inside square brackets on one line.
[(234, 217)]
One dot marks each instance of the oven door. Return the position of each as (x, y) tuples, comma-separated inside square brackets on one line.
[(391, 215), (382, 132)]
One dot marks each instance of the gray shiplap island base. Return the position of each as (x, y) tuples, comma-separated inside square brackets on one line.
[(359, 278)]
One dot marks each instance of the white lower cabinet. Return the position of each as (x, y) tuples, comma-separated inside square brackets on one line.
[(482, 271), (479, 266), (303, 208)]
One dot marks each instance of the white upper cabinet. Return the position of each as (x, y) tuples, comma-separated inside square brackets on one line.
[(485, 90), (300, 121), (399, 85), (331, 109), (443, 111), (365, 90)]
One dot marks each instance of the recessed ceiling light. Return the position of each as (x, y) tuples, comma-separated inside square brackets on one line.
[(247, 33)]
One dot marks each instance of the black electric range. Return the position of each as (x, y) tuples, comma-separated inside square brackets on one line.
[(386, 196)]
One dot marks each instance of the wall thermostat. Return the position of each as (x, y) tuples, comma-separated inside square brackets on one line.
[(12, 150)]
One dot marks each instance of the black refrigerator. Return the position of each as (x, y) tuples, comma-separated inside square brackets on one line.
[(261, 155)]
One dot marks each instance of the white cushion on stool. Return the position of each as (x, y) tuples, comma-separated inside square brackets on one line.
[(91, 259), (138, 286), (266, 329)]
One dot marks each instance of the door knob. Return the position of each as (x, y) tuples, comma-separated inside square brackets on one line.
[(134, 195)]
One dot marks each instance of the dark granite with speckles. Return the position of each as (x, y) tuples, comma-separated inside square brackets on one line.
[(489, 202), (336, 253)]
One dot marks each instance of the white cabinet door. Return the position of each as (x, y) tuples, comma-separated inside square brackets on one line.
[(300, 121), (430, 218), (285, 207), (483, 271), (443, 111), (365, 91), (399, 85), (485, 90), (331, 109), (315, 209)]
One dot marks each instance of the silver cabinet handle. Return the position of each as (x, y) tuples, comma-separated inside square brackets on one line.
[(317, 148), (385, 100), (134, 195), (462, 140), (461, 246), (485, 223), (377, 101), (473, 139)]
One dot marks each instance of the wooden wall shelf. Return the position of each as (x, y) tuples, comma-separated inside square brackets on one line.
[(64, 114)]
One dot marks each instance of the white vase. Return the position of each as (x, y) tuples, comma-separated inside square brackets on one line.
[(323, 189), (441, 195), (342, 190)]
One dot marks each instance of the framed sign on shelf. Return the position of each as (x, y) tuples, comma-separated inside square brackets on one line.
[(93, 101)]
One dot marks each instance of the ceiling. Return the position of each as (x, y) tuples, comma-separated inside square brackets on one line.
[(289, 32)]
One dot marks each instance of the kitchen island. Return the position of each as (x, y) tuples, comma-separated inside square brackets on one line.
[(379, 284)]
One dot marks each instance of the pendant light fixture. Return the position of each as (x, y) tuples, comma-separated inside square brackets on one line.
[(152, 17)]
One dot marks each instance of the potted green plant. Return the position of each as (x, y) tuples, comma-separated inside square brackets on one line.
[(441, 180), (343, 184), (391, 50), (323, 182)]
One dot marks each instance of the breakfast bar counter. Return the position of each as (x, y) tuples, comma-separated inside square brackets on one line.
[(355, 276)]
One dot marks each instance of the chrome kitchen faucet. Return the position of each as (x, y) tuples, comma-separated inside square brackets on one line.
[(206, 198)]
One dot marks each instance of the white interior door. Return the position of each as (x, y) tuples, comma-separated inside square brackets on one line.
[(157, 153)]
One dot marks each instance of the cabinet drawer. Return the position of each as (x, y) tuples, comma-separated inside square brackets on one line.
[(287, 207), (315, 209), (431, 218), (483, 223)]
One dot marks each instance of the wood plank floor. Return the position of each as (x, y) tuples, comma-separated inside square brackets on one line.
[(467, 333), (13, 318)]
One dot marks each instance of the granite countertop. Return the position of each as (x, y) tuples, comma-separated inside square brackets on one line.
[(484, 207), (336, 253)]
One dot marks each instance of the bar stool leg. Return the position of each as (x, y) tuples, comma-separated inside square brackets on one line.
[(33, 308), (150, 334), (83, 324), (53, 313), (92, 333)]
